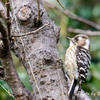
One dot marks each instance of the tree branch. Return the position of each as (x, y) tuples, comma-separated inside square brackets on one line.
[(72, 15), (82, 95), (29, 33), (88, 32), (10, 74)]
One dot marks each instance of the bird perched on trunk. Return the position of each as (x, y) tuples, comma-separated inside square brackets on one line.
[(77, 61)]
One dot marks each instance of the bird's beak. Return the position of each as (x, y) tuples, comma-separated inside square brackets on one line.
[(69, 38)]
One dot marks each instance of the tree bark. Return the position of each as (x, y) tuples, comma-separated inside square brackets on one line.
[(38, 51), (8, 72)]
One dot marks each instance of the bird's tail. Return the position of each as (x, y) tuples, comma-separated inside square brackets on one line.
[(72, 88)]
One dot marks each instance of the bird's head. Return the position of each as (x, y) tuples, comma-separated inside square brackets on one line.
[(80, 40)]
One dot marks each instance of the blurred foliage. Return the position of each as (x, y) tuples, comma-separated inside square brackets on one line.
[(89, 9)]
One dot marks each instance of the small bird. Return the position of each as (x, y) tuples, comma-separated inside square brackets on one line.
[(77, 61)]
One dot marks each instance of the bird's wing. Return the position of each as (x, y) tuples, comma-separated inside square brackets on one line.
[(83, 62)]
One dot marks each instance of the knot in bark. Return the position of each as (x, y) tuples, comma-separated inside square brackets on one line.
[(24, 13)]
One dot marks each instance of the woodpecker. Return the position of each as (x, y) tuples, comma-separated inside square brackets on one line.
[(77, 61)]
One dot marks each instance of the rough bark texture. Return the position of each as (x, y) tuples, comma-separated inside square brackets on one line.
[(11, 77), (38, 51), (8, 71)]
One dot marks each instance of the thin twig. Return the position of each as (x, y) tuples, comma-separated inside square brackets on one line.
[(72, 15), (8, 17), (7, 91), (32, 32), (61, 5), (88, 32), (38, 6)]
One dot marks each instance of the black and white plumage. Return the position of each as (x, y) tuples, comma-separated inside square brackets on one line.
[(83, 62), (77, 61)]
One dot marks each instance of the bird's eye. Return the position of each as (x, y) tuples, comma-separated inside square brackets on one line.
[(76, 39)]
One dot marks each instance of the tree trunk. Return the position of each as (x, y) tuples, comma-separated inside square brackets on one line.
[(38, 51)]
